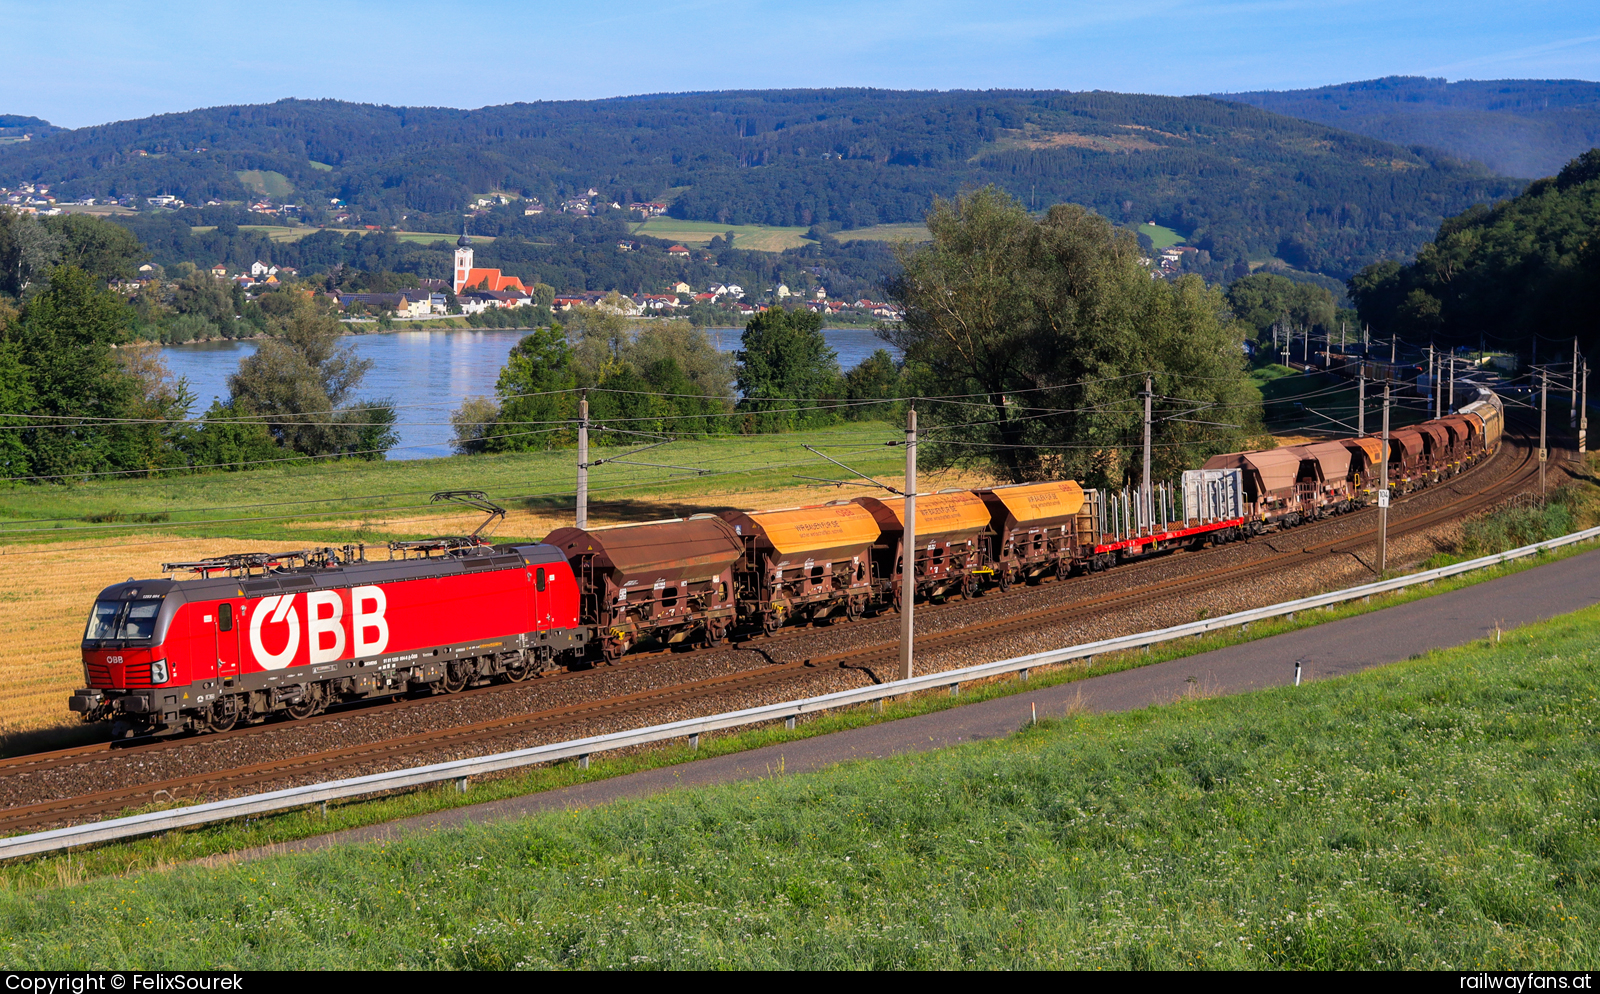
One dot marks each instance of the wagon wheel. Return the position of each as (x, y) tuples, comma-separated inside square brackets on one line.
[(854, 608), (714, 636), (1003, 575), (969, 586), (771, 621)]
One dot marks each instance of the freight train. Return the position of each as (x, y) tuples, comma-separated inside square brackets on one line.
[(257, 635)]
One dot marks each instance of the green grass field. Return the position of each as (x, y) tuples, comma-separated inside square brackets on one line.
[(265, 182), (340, 499), (885, 233), (1437, 814), (1160, 236), (751, 237)]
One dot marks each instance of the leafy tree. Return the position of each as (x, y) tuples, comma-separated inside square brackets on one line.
[(785, 369), (64, 339), (1048, 327), (105, 250), (231, 439), (877, 377), (535, 393), (16, 397), (1264, 299), (297, 381), (27, 251), (207, 297), (471, 422)]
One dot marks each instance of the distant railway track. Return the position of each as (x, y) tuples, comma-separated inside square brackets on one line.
[(24, 817)]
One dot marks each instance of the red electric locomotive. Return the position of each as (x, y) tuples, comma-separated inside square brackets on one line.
[(294, 632)]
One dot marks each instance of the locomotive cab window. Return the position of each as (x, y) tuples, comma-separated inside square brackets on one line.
[(538, 579), (225, 618), (123, 620)]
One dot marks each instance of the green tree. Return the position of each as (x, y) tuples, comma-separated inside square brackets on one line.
[(16, 397), (298, 379), (1049, 327), (1264, 299), (786, 369), (27, 251), (65, 339), (535, 390), (231, 438), (201, 294), (105, 250), (875, 378), (471, 423)]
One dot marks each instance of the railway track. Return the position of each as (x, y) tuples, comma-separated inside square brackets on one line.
[(90, 805)]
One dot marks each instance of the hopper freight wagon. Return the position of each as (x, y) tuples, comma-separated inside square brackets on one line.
[(805, 563), (668, 581), (1036, 530), (1282, 486), (291, 633), (952, 542), (1336, 475)]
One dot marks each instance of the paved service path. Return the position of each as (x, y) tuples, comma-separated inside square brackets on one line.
[(1328, 650)]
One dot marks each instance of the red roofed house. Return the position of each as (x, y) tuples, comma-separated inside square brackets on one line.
[(491, 280), (678, 250)]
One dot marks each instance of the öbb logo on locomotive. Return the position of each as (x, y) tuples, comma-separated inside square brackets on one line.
[(326, 637), (249, 636)]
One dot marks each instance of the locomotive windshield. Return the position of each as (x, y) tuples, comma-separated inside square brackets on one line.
[(122, 620)]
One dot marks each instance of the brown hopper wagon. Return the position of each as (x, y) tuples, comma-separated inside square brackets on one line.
[(666, 580), (805, 562), (1036, 529), (952, 538)]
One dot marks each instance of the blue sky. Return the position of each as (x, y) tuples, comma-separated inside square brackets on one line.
[(79, 63)]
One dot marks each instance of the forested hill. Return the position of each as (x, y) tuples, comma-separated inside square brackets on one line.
[(1519, 127), (1239, 182)]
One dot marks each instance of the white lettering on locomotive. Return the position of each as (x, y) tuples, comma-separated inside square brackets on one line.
[(363, 620), (317, 626), (275, 610)]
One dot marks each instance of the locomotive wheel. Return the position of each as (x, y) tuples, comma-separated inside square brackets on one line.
[(302, 710), (455, 678), (121, 728), (221, 718), (519, 669)]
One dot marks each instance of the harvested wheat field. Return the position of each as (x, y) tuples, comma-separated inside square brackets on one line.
[(45, 594)]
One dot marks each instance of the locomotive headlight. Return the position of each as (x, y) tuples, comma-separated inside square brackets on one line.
[(158, 671)]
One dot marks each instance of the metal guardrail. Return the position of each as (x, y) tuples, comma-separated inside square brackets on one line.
[(692, 728)]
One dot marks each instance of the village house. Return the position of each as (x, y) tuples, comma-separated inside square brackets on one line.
[(678, 251), (405, 304)]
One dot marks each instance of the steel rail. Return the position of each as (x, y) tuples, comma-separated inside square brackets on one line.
[(692, 728)]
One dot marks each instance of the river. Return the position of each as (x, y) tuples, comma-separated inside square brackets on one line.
[(427, 373)]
